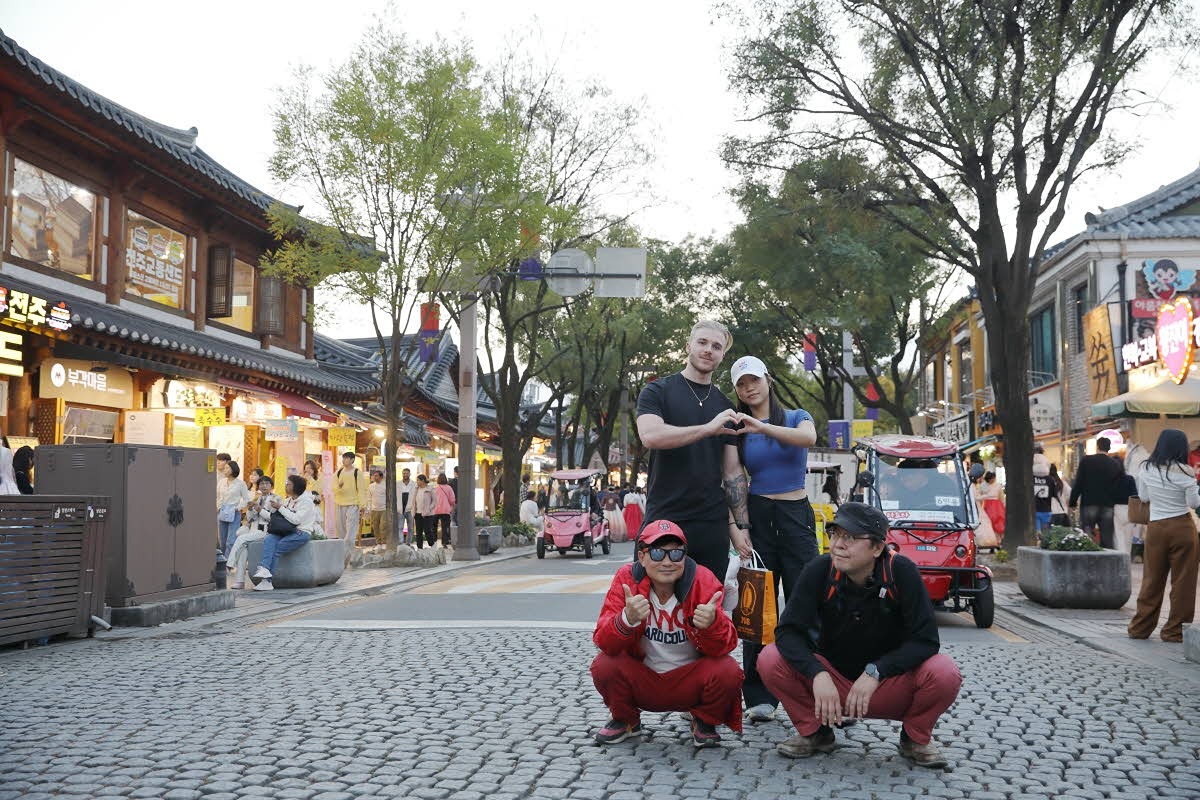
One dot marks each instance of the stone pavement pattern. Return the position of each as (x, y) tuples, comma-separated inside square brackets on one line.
[(506, 714)]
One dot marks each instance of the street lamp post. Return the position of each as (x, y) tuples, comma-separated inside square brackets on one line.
[(464, 543)]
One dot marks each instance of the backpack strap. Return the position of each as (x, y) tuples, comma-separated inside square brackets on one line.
[(835, 576)]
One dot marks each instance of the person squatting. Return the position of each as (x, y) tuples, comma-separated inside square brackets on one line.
[(857, 639)]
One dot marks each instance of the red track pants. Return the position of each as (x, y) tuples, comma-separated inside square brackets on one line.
[(710, 688), (916, 698)]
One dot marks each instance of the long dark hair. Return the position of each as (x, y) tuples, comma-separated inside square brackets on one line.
[(775, 415), (1170, 450)]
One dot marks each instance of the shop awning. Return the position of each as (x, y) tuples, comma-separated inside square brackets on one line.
[(299, 406), (1167, 397)]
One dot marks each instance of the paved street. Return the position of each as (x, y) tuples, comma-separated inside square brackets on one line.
[(446, 689)]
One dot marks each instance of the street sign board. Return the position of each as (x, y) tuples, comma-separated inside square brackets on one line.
[(621, 272), (569, 272)]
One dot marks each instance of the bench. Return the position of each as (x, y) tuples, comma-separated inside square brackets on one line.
[(317, 563)]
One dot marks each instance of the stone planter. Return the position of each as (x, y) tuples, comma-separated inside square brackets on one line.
[(317, 563), (1064, 579), (489, 538)]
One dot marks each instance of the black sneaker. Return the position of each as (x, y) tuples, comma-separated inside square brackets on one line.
[(704, 735), (617, 731)]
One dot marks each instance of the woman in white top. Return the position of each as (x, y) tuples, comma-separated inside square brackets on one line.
[(8, 475), (1168, 483), (297, 509), (232, 498), (258, 516)]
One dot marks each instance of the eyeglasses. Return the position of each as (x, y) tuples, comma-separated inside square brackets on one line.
[(659, 553), (842, 536)]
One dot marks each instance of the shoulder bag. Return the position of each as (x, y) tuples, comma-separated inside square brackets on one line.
[(280, 525), (1139, 510)]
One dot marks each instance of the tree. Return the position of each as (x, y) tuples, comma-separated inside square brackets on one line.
[(385, 145), (813, 258), (572, 148), (973, 108)]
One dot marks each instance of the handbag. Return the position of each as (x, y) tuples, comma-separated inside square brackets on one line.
[(1139, 510), (227, 512), (280, 525), (756, 615)]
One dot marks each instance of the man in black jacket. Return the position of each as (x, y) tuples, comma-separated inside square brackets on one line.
[(1093, 489), (858, 640)]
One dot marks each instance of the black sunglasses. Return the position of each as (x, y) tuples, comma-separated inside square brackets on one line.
[(658, 554)]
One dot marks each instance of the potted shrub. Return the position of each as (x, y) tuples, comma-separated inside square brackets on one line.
[(1069, 570)]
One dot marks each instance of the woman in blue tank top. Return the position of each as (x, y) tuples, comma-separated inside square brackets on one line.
[(774, 450)]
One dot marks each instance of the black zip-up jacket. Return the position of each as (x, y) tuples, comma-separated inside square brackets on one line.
[(1095, 480), (857, 627)]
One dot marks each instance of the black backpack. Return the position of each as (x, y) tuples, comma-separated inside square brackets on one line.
[(889, 599)]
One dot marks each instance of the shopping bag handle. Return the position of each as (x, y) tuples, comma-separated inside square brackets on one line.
[(754, 561)]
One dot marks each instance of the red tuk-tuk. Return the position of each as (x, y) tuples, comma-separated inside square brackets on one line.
[(920, 485)]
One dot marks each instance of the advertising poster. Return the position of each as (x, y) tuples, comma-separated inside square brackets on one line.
[(155, 259)]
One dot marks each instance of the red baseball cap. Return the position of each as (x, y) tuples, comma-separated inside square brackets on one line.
[(661, 529)]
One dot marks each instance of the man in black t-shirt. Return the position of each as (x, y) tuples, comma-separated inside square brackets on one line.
[(695, 478)]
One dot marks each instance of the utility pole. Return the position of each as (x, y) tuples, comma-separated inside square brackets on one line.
[(464, 542)]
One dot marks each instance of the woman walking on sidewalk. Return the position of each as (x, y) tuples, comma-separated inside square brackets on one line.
[(1168, 483)]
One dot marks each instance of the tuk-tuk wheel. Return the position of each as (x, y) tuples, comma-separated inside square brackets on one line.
[(606, 546), (541, 548), (587, 547), (983, 607)]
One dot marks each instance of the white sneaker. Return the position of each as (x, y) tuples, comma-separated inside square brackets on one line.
[(763, 712), (261, 572), (264, 585)]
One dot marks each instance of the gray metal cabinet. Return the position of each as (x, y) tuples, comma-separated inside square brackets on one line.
[(162, 526)]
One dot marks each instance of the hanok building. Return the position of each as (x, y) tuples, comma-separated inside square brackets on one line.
[(132, 304)]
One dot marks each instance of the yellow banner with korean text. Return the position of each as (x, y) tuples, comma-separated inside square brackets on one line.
[(341, 437), (1099, 353), (207, 417)]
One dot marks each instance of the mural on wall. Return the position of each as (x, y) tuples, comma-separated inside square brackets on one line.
[(1158, 281)]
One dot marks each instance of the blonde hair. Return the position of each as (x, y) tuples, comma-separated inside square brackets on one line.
[(712, 324)]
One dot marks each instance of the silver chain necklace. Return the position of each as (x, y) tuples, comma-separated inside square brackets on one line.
[(693, 391)]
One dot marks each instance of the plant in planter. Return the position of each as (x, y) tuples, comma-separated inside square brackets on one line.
[(1069, 570)]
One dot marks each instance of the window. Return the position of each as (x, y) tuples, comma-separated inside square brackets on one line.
[(270, 305), (241, 314), (1042, 347), (966, 380), (52, 221), (155, 260), (1079, 302)]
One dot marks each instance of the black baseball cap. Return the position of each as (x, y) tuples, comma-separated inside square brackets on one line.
[(859, 518)]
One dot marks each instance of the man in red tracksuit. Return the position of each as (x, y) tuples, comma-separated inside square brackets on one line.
[(665, 642)]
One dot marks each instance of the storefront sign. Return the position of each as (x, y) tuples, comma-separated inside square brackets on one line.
[(861, 429), (1176, 343), (1098, 344), (341, 437), (253, 409), (1139, 352), (32, 309), (146, 427), (207, 417), (281, 430), (956, 429), (184, 394), (86, 382), (1045, 410), (155, 256), (12, 361)]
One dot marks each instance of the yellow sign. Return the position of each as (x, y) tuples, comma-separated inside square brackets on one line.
[(1098, 349), (861, 428), (206, 417), (341, 437)]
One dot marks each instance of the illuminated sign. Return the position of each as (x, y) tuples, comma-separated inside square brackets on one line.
[(207, 417), (1176, 344), (11, 360), (86, 382), (31, 309)]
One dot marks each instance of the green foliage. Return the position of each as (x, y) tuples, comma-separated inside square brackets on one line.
[(1000, 556), (521, 529), (482, 522), (1060, 537)]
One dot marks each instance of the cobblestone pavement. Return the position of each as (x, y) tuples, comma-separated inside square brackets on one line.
[(505, 714)]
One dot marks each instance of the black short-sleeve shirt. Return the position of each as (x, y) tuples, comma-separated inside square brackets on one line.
[(685, 482)]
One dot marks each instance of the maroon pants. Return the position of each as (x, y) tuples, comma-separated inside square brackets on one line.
[(709, 687), (916, 698)]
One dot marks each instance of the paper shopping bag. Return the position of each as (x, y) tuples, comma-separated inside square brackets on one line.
[(755, 616)]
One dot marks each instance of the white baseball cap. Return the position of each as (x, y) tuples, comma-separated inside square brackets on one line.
[(747, 365)]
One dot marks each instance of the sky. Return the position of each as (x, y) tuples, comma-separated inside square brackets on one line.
[(217, 66)]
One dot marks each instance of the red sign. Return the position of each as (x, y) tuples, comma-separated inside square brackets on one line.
[(1147, 307)]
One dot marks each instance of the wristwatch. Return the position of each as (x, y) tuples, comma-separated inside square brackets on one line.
[(873, 671), (742, 526)]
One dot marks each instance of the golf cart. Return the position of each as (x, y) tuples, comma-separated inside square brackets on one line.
[(578, 523), (920, 485)]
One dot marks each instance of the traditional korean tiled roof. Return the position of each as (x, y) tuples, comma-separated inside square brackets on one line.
[(158, 341), (1169, 212), (176, 143)]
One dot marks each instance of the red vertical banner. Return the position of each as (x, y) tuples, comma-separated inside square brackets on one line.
[(430, 315), (810, 352), (872, 396)]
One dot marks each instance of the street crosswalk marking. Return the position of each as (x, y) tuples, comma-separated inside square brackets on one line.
[(519, 584)]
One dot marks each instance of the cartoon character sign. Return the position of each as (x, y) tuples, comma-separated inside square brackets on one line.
[(1164, 278)]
